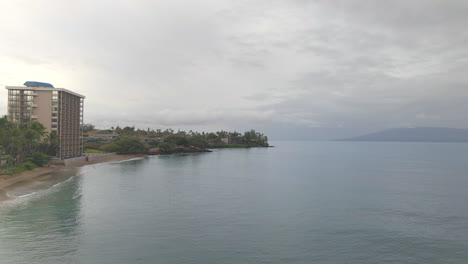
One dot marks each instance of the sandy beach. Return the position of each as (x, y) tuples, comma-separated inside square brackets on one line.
[(22, 180)]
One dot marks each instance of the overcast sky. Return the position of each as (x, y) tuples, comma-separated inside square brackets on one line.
[(286, 65)]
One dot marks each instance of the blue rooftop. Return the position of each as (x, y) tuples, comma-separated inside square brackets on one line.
[(38, 84)]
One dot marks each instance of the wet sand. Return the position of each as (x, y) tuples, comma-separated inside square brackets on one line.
[(53, 174)]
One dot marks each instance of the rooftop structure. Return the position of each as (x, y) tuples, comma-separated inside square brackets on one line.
[(38, 84), (58, 109)]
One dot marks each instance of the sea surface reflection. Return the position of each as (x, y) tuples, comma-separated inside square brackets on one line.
[(300, 202)]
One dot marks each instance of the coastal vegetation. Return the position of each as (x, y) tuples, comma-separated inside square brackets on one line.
[(27, 146), (24, 147), (130, 140), (126, 145)]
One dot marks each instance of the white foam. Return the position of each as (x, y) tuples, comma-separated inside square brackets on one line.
[(122, 161), (21, 196), (60, 183), (24, 198)]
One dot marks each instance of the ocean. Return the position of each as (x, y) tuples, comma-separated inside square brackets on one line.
[(299, 202)]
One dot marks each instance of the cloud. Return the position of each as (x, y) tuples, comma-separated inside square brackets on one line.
[(240, 64)]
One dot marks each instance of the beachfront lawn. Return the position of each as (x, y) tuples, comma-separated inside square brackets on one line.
[(93, 151)]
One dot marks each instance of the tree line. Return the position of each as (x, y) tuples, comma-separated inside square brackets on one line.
[(26, 146), (169, 140), (29, 145)]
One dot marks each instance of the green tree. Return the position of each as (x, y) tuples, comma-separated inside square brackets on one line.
[(20, 141), (87, 127), (177, 140), (38, 158), (165, 148), (130, 145)]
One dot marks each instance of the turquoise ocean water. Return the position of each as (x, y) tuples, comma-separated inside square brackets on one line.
[(300, 202)]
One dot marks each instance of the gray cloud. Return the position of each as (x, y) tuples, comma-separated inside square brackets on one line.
[(244, 64)]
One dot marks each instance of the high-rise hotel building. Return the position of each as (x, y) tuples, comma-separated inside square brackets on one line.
[(58, 109)]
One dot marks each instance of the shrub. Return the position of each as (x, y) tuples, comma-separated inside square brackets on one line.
[(38, 158), (28, 165), (198, 141), (165, 147), (109, 147), (177, 140), (182, 142), (130, 145)]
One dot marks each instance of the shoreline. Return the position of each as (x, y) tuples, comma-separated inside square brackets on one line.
[(8, 182)]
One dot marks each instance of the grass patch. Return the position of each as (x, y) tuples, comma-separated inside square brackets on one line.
[(90, 150)]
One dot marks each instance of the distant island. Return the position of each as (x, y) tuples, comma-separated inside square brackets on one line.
[(417, 134)]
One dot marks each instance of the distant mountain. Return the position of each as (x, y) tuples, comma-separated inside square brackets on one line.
[(417, 134)]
